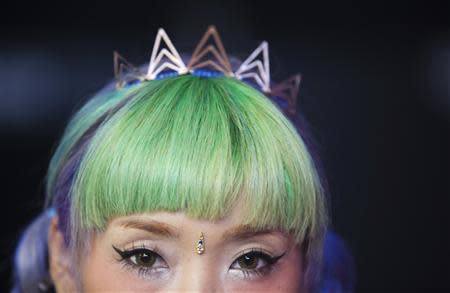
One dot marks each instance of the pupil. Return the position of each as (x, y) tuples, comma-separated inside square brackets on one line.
[(145, 259), (248, 262)]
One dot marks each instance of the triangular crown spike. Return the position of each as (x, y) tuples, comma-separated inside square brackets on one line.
[(218, 51), (174, 62), (288, 90), (255, 68), (124, 71)]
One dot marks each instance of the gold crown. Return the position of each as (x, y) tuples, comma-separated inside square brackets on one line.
[(210, 60)]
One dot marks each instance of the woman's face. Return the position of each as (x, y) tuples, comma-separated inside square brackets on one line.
[(157, 252)]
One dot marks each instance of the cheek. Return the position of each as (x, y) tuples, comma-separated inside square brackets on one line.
[(287, 277)]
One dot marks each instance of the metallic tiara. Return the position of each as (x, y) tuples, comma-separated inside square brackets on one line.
[(211, 60)]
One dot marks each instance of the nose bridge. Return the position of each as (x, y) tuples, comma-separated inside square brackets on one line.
[(198, 274)]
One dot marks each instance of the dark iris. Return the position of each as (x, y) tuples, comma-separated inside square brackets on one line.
[(145, 259), (140, 256), (248, 261)]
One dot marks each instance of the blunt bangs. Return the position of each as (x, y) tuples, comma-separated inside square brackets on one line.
[(202, 146)]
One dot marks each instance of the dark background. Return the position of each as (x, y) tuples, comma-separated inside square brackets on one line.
[(376, 90)]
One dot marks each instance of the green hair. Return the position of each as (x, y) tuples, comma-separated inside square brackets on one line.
[(192, 144)]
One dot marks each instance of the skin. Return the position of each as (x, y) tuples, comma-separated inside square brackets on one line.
[(178, 267)]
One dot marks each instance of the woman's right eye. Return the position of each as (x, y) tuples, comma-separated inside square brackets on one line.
[(142, 258)]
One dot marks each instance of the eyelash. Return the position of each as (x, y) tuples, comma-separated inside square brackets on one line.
[(260, 255), (142, 271)]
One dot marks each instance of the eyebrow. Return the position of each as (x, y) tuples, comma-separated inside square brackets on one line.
[(244, 232), (151, 226)]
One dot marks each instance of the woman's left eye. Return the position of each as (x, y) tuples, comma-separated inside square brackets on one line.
[(254, 263)]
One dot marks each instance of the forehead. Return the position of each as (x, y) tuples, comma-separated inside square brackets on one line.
[(179, 225)]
